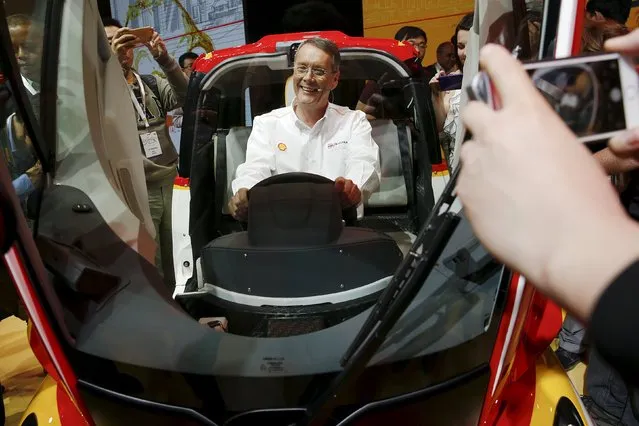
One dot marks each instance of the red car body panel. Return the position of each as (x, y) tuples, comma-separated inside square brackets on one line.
[(270, 44)]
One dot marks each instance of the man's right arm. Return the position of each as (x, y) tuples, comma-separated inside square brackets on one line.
[(260, 159), (172, 89)]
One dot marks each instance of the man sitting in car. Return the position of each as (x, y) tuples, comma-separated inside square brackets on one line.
[(312, 135)]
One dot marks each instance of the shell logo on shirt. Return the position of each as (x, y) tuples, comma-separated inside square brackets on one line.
[(281, 146)]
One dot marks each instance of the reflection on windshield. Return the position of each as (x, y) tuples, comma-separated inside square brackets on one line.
[(17, 149), (17, 146)]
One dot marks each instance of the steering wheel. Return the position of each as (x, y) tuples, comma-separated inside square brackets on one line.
[(349, 214), (293, 177)]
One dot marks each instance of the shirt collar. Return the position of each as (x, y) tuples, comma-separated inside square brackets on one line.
[(30, 85), (296, 119)]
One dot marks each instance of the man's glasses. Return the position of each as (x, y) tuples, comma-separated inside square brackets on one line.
[(421, 45), (317, 72)]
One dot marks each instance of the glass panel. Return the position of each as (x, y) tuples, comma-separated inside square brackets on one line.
[(256, 284), (26, 29), (25, 22), (26, 32)]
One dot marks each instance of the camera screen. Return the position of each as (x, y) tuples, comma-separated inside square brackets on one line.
[(587, 96)]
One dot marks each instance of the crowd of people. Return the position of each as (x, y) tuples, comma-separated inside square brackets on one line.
[(451, 57), (582, 255), (506, 214)]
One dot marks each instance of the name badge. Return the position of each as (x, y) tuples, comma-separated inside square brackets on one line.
[(151, 144)]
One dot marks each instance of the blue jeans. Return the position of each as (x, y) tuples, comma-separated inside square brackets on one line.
[(607, 390)]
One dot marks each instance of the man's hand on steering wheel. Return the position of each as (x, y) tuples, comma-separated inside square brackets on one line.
[(238, 205), (349, 193)]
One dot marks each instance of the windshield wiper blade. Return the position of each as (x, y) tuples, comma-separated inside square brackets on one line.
[(396, 298)]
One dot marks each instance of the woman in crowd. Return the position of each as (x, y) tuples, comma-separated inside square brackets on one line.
[(446, 103)]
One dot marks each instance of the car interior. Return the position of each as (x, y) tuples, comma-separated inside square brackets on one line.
[(354, 258)]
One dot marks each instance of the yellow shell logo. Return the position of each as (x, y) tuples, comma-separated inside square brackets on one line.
[(281, 146), (208, 55)]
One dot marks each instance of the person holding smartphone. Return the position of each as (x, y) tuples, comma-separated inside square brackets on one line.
[(446, 103), (543, 205), (152, 98)]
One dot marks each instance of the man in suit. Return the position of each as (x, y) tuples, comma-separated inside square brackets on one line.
[(445, 61), (27, 43)]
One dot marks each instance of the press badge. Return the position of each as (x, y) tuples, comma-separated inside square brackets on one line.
[(151, 144)]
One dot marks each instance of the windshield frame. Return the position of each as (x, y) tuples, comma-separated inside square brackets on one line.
[(201, 83)]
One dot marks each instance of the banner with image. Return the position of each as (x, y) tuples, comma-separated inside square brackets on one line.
[(198, 26)]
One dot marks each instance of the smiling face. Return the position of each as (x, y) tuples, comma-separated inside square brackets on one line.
[(314, 76), (462, 41)]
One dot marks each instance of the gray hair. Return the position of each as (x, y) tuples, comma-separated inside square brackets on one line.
[(324, 45)]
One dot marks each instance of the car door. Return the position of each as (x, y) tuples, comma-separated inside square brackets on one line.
[(71, 171)]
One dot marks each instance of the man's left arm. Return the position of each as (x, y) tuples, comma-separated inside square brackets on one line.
[(362, 164), (173, 94)]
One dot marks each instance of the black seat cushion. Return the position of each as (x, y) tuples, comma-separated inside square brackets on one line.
[(359, 257), (294, 214)]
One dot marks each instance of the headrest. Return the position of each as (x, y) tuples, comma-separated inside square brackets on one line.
[(294, 214), (289, 91)]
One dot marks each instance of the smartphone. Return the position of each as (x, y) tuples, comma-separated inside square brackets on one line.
[(597, 96), (451, 82), (144, 34)]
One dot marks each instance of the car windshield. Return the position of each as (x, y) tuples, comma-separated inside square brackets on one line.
[(272, 301), (294, 287)]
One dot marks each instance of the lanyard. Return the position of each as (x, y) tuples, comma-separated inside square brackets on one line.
[(135, 101)]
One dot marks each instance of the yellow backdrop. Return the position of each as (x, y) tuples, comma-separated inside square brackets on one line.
[(382, 18), (633, 20)]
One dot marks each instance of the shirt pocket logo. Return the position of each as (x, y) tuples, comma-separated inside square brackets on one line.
[(282, 146)]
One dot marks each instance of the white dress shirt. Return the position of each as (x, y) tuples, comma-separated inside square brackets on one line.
[(30, 85), (338, 145)]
